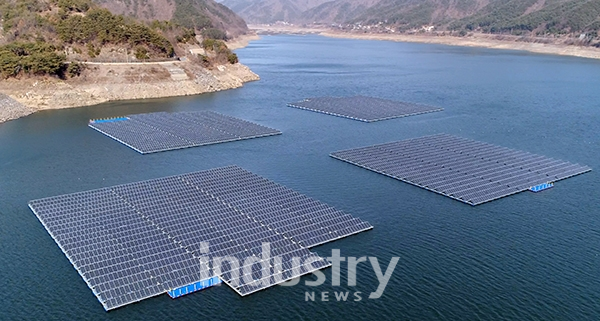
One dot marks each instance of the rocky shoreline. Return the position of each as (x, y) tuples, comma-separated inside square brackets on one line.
[(479, 40), (118, 81), (547, 46), (12, 109)]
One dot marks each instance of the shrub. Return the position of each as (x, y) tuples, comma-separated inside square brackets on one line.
[(217, 46), (34, 58), (91, 50), (232, 58), (74, 5), (204, 60), (208, 44), (141, 53), (223, 54), (188, 35), (213, 33), (74, 69)]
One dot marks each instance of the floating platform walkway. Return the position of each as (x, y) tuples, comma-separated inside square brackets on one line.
[(465, 170), (361, 108), (194, 287), (541, 187), (162, 131)]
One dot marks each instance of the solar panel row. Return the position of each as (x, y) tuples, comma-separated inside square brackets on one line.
[(230, 233), (280, 208), (469, 171), (121, 257), (134, 241), (155, 132), (366, 109)]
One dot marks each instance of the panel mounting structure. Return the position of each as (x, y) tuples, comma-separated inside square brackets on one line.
[(466, 170), (162, 131), (134, 241), (362, 108)]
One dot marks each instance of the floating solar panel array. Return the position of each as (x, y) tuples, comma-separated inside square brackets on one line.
[(466, 170), (172, 235), (366, 109), (162, 131)]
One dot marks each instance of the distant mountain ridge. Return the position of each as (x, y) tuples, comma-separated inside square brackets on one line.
[(271, 11), (536, 17), (339, 11), (420, 12)]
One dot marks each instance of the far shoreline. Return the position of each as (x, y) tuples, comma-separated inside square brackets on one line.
[(478, 41)]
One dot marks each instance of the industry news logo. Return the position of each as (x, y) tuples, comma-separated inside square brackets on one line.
[(247, 274)]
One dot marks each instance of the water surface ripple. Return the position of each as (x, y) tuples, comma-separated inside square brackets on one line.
[(524, 257)]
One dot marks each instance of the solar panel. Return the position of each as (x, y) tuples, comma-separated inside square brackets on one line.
[(134, 241), (466, 170), (366, 109), (162, 131)]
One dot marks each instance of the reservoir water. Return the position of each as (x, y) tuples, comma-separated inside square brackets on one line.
[(524, 257)]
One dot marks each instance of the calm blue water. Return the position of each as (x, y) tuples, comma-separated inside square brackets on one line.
[(525, 257)]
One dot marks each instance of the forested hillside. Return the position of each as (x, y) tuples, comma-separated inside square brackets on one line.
[(406, 14), (340, 11), (50, 37), (517, 17), (270, 11), (540, 17), (198, 14)]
